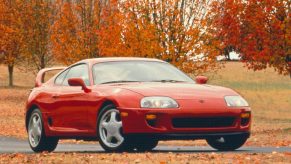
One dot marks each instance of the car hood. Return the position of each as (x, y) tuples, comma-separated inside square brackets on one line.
[(178, 90)]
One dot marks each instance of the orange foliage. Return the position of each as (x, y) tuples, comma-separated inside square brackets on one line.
[(259, 30), (85, 29), (110, 30), (176, 31), (24, 28), (10, 37), (65, 39), (10, 34), (36, 19)]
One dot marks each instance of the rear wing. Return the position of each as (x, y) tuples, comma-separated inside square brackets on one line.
[(39, 80)]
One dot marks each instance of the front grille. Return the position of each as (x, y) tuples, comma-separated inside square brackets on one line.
[(206, 122)]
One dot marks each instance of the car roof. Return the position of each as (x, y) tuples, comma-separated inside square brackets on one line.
[(114, 59)]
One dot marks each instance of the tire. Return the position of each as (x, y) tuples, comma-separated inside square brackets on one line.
[(109, 131), (227, 143), (37, 139), (145, 144)]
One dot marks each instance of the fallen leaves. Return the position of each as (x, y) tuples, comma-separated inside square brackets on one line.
[(12, 103)]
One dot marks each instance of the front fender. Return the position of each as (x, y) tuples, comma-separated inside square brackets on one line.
[(122, 98)]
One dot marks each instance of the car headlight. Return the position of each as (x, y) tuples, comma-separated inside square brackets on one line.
[(235, 101), (158, 102)]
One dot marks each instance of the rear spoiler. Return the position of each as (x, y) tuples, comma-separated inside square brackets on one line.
[(39, 80)]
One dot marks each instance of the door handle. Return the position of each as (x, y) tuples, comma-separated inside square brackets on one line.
[(55, 96)]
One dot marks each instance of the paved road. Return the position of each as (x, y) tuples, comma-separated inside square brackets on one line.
[(12, 145)]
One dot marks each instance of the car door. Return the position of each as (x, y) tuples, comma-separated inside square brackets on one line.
[(71, 103)]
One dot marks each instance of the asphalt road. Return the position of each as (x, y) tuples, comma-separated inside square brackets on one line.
[(12, 145)]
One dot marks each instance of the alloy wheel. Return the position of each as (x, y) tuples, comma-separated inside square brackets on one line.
[(34, 129), (110, 128)]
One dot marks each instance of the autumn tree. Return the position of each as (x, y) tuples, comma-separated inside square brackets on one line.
[(139, 35), (109, 31), (260, 30), (178, 31), (10, 34), (65, 39), (37, 18), (86, 29)]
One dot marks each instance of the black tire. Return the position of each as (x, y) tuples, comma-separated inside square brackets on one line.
[(227, 143), (45, 143), (145, 144), (124, 146)]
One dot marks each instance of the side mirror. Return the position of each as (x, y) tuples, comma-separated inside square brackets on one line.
[(201, 79), (78, 82)]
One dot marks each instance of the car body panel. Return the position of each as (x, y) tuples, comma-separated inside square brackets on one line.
[(69, 112), (179, 90)]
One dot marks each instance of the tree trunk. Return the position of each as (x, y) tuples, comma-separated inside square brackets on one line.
[(10, 70), (226, 53), (42, 62)]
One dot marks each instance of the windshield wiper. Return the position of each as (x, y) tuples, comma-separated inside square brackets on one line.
[(119, 81), (169, 81)]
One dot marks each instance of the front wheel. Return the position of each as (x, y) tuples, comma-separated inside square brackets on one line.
[(146, 144), (109, 127), (38, 141), (227, 143)]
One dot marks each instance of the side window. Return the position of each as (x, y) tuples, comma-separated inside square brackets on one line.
[(59, 80), (80, 71)]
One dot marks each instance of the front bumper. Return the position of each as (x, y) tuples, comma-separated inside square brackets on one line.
[(135, 122)]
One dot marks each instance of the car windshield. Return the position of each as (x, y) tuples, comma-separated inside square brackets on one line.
[(137, 71)]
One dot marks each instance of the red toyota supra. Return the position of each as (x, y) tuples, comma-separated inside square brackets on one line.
[(131, 104)]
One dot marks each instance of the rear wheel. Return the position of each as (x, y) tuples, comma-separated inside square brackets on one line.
[(227, 143), (145, 144), (38, 141), (110, 134)]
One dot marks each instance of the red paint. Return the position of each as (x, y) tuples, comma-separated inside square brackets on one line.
[(78, 82), (74, 109), (201, 79)]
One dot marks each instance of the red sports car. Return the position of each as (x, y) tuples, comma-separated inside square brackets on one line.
[(130, 104)]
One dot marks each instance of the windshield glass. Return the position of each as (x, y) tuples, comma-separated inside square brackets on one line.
[(137, 71)]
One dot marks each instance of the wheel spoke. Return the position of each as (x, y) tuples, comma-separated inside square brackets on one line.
[(31, 133), (38, 122), (34, 121), (118, 124), (38, 130), (35, 132), (104, 125), (118, 137), (113, 116), (109, 138)]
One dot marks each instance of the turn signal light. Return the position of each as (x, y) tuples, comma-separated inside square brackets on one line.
[(151, 116), (124, 114), (245, 115)]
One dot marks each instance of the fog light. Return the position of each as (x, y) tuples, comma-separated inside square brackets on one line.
[(124, 114), (151, 116), (245, 115), (245, 118)]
